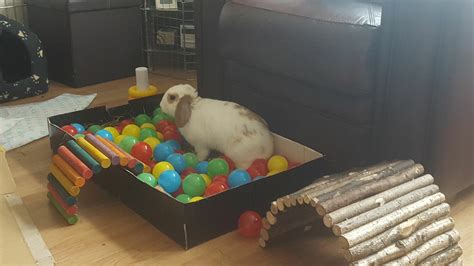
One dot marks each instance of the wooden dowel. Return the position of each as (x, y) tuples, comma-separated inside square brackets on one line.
[(274, 208), (428, 248), (358, 192), (68, 171), (366, 217), (262, 243), (114, 158), (72, 189), (265, 223), (95, 153), (400, 231), (280, 204), (70, 200), (443, 257), (403, 246), (271, 218), (375, 201), (75, 162), (384, 223), (123, 159), (85, 157), (70, 219), (69, 209)]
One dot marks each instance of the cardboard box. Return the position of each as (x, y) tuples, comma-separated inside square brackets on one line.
[(193, 223)]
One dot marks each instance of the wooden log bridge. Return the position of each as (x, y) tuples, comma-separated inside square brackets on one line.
[(390, 213)]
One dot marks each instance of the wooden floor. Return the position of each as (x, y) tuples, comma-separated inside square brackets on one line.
[(108, 232)]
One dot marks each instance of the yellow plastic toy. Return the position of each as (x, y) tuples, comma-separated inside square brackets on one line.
[(143, 88)]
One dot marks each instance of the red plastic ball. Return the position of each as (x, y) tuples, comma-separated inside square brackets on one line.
[(142, 151), (70, 130), (220, 178), (87, 133), (169, 135), (151, 163), (162, 125), (215, 188), (229, 162), (187, 171), (261, 165), (254, 172), (178, 192), (250, 224), (180, 151)]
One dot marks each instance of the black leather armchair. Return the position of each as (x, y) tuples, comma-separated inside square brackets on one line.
[(360, 81)]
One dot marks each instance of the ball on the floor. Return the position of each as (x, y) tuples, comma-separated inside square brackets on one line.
[(277, 163), (238, 177), (169, 180), (250, 224), (218, 167), (162, 151), (194, 185)]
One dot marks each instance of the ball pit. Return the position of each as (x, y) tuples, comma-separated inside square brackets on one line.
[(155, 140)]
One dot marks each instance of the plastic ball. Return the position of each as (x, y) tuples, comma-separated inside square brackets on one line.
[(218, 167), (229, 161), (123, 124), (142, 151), (273, 172), (191, 159), (179, 191), (147, 178), (160, 168), (172, 135), (70, 130), (178, 162), (238, 177), (201, 167), (105, 134), (148, 125), (152, 142), (157, 111), (174, 144), (169, 180), (194, 185), (131, 130), (159, 135), (260, 165), (113, 131), (277, 163), (254, 172), (215, 188), (159, 117), (94, 128), (188, 171), (87, 133), (163, 124), (197, 198), (79, 135), (80, 128), (142, 119), (162, 151), (250, 224), (207, 179), (146, 133), (119, 139), (127, 143), (183, 198), (220, 178)]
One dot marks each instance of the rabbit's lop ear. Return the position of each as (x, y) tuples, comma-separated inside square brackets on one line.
[(183, 111)]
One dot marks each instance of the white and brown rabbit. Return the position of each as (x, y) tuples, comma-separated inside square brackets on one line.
[(226, 127)]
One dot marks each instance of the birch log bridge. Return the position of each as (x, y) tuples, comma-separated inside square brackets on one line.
[(389, 213)]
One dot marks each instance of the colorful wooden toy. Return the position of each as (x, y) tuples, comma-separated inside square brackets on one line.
[(72, 189), (70, 219), (114, 157), (84, 156), (75, 162), (69, 209), (70, 200), (68, 171), (95, 153)]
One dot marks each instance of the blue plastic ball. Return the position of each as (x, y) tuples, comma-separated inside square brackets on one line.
[(105, 134), (80, 128), (178, 162), (162, 151), (238, 177), (201, 167), (173, 143), (170, 181)]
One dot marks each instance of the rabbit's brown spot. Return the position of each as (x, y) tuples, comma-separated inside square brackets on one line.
[(237, 140), (247, 132), (262, 149)]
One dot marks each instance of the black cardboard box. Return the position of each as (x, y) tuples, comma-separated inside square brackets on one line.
[(193, 223)]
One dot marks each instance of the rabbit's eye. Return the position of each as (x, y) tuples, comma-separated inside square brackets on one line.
[(172, 97)]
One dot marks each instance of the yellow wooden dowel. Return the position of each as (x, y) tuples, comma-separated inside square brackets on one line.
[(72, 189), (94, 152)]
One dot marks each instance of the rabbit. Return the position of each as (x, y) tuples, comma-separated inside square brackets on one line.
[(226, 127)]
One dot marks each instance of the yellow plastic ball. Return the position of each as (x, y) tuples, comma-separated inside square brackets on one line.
[(277, 163), (197, 198), (113, 131), (118, 139), (160, 136), (131, 130), (207, 179), (274, 172), (152, 142), (160, 168), (148, 125)]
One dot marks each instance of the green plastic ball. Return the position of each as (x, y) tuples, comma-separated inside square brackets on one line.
[(127, 143), (183, 198), (94, 128), (147, 178), (157, 111), (217, 167), (142, 119), (194, 185), (146, 133), (157, 118), (191, 159), (78, 135)]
